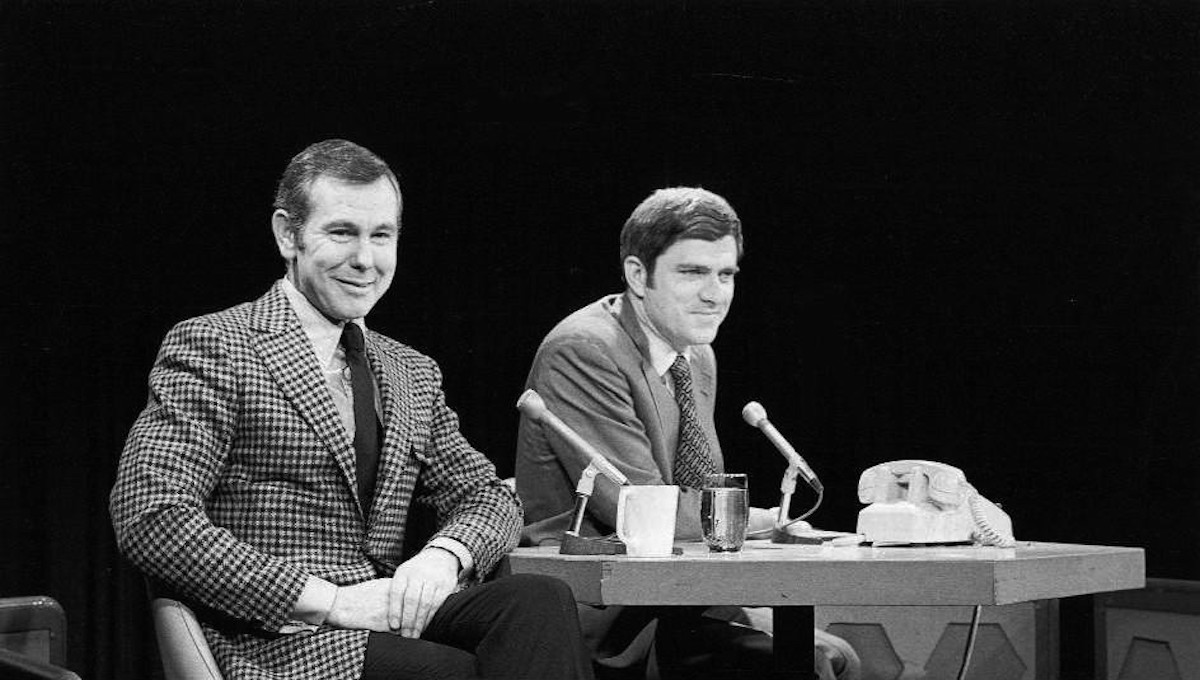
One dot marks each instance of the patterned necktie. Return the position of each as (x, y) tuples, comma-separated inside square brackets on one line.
[(693, 459), (366, 423)]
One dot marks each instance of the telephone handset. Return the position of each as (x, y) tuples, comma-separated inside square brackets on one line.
[(920, 501)]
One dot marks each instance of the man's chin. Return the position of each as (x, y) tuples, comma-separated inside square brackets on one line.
[(703, 339), (346, 312)]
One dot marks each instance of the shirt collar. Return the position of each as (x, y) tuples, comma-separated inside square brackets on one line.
[(662, 355), (325, 335)]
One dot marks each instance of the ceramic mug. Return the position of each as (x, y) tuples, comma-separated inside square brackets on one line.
[(646, 519)]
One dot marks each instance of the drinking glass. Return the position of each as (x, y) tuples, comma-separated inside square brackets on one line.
[(724, 511)]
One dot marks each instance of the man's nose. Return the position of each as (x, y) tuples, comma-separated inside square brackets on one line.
[(715, 291), (361, 255)]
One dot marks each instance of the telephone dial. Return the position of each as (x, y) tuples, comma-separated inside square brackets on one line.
[(921, 502)]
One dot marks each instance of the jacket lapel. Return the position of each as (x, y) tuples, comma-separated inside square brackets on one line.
[(704, 372), (668, 419), (287, 353)]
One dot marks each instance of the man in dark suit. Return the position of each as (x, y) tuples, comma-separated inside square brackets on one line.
[(635, 375), (271, 475)]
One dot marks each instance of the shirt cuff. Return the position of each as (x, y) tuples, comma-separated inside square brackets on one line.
[(312, 607), (465, 562)]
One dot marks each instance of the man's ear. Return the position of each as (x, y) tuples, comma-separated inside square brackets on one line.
[(285, 238), (635, 275)]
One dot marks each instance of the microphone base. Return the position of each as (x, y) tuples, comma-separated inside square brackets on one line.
[(782, 536), (574, 544)]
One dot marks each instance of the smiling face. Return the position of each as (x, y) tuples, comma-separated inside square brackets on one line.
[(691, 289), (342, 259)]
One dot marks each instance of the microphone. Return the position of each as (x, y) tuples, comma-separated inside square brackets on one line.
[(531, 405), (756, 416)]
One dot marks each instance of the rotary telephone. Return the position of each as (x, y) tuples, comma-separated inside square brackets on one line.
[(920, 501)]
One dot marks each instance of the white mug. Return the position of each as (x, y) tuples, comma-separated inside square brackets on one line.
[(646, 519)]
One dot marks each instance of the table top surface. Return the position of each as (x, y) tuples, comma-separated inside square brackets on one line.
[(768, 574)]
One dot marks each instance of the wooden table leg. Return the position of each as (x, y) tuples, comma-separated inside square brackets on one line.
[(793, 653)]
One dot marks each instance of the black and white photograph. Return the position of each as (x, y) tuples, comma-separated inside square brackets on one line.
[(600, 340)]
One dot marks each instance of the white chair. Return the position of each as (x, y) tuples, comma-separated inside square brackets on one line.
[(181, 644)]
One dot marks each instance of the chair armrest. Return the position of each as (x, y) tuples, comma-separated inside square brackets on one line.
[(42, 620), (181, 644), (21, 667)]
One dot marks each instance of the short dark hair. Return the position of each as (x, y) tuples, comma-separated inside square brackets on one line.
[(674, 214), (335, 158)]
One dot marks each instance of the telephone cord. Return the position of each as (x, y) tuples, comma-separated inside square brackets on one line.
[(986, 534), (966, 660)]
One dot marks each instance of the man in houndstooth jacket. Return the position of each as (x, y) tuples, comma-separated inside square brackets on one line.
[(239, 484)]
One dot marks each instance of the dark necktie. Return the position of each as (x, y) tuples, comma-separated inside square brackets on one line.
[(366, 423), (693, 459)]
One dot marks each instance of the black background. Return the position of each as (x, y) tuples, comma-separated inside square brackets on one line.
[(971, 235)]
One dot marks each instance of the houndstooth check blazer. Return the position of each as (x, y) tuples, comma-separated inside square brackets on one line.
[(237, 482)]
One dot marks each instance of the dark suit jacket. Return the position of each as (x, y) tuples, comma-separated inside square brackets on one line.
[(593, 371), (237, 482)]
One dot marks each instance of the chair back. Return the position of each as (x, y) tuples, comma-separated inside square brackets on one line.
[(181, 643), (33, 639)]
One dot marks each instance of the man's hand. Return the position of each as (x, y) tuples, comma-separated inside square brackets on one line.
[(419, 587), (362, 606), (762, 519)]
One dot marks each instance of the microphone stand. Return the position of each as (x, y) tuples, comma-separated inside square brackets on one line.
[(756, 416), (572, 542), (787, 487), (583, 491), (531, 405)]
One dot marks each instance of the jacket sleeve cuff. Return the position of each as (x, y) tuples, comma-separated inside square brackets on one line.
[(466, 563), (312, 607)]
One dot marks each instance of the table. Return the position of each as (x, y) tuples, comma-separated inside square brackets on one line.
[(793, 578)]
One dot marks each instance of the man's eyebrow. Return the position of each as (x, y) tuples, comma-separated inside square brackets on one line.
[(696, 267), (351, 224)]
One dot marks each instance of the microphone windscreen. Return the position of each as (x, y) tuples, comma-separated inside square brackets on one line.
[(754, 413), (531, 404)]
